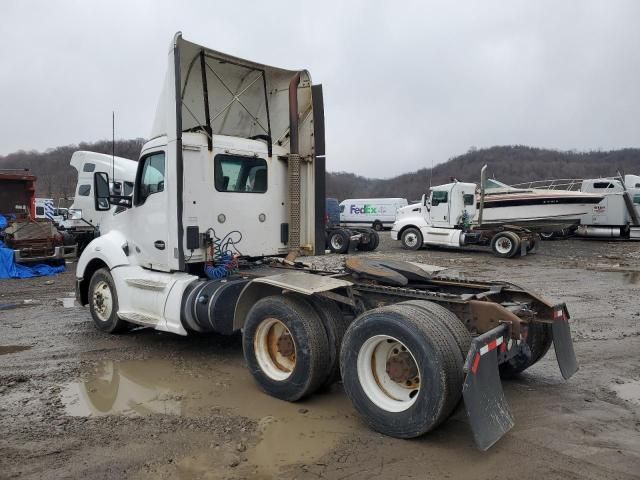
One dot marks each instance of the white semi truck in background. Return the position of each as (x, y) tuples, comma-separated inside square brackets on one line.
[(618, 214), (85, 215), (229, 197)]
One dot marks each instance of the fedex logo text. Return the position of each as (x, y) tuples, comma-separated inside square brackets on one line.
[(366, 210)]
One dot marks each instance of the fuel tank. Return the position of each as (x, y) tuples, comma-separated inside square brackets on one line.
[(209, 305)]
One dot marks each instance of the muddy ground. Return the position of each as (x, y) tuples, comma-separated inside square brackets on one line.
[(76, 403)]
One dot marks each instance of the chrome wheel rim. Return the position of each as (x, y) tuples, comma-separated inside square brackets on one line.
[(336, 242)]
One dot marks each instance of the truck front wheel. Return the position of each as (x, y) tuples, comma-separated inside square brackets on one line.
[(286, 347), (103, 303), (411, 239)]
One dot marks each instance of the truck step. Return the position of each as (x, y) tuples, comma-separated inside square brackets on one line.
[(146, 284), (139, 318)]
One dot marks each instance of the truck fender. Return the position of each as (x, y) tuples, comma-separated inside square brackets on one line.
[(293, 281), (110, 249)]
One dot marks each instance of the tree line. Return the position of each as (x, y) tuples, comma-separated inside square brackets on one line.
[(509, 164)]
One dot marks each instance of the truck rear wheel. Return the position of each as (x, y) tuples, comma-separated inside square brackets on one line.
[(377, 226), (450, 321), (286, 347), (411, 239), (339, 241), (335, 324), (374, 241), (539, 339), (505, 244), (401, 369), (103, 303)]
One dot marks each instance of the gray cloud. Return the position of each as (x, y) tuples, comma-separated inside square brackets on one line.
[(406, 83)]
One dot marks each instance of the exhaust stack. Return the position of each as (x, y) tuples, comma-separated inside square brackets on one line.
[(293, 172)]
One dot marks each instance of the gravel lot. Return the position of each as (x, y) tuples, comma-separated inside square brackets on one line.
[(76, 403)]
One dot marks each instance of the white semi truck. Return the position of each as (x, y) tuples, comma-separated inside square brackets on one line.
[(618, 214), (451, 217), (85, 215), (228, 195)]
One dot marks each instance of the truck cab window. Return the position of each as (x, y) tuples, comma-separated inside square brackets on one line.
[(468, 198), (238, 174), (39, 210), (152, 178), (128, 189), (88, 167), (438, 197), (84, 190)]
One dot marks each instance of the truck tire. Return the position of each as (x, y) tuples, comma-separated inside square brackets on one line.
[(401, 369), (539, 340), (374, 241), (339, 241), (411, 239), (450, 321), (335, 325), (377, 226), (505, 244), (103, 303), (286, 347)]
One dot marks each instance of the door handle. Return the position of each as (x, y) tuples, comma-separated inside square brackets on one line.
[(159, 244)]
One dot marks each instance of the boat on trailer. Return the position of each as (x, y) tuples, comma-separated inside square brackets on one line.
[(539, 210)]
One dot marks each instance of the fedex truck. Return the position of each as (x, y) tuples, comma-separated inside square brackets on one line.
[(377, 213)]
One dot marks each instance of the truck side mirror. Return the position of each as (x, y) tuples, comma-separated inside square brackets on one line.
[(101, 191)]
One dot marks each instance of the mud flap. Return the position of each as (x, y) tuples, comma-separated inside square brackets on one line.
[(487, 408), (562, 343)]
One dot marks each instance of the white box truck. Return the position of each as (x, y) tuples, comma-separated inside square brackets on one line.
[(377, 213)]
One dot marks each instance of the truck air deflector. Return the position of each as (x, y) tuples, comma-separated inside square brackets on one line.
[(489, 413), (220, 94)]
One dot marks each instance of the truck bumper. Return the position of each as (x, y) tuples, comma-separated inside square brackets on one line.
[(59, 253), (394, 235)]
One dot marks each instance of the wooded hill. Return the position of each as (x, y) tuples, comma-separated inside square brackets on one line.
[(510, 164)]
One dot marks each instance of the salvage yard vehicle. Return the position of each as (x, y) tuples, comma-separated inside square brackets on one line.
[(31, 239), (232, 181), (505, 218), (83, 222), (617, 215), (446, 218), (340, 239)]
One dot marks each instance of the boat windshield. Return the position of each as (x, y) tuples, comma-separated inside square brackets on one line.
[(491, 185)]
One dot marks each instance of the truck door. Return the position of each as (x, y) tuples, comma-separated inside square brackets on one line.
[(148, 225), (440, 208)]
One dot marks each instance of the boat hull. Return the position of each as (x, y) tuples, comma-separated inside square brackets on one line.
[(539, 213)]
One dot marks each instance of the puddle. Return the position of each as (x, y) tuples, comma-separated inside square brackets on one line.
[(632, 278), (287, 436), (628, 391), (6, 349), (22, 304)]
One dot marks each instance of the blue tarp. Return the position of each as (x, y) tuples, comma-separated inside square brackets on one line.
[(10, 269)]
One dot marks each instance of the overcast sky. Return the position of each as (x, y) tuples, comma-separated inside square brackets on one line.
[(405, 83)]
